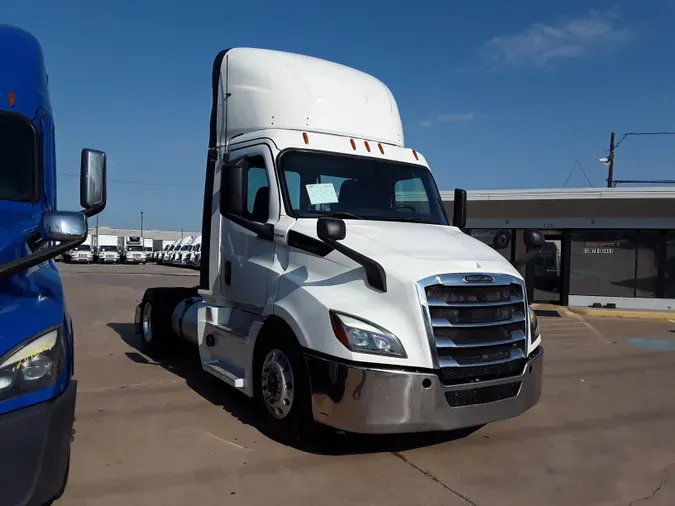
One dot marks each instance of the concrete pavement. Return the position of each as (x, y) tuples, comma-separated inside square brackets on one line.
[(169, 434)]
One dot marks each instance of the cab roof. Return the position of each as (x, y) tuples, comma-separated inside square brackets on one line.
[(23, 78)]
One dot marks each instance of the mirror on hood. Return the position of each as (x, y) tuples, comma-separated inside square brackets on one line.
[(63, 226), (331, 229)]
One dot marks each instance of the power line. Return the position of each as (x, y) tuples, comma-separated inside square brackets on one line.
[(140, 183), (577, 163)]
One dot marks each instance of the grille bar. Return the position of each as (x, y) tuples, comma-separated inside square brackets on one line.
[(442, 322), (498, 303), (443, 342)]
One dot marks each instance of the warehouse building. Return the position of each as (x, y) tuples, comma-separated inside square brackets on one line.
[(167, 235), (610, 247)]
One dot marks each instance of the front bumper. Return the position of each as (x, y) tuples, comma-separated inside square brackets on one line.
[(370, 400), (35, 443)]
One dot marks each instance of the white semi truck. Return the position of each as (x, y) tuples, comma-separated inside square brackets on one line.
[(194, 255), (131, 250), (80, 254), (107, 251), (166, 253), (325, 292), (148, 248), (181, 247)]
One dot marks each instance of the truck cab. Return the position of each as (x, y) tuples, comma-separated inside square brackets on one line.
[(38, 389), (333, 287), (81, 254), (131, 250)]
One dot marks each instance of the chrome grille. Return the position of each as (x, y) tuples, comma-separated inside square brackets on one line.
[(477, 325)]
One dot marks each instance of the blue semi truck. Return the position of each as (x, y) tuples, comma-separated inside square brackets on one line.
[(37, 385)]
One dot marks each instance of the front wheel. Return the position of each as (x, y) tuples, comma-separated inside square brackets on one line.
[(281, 388)]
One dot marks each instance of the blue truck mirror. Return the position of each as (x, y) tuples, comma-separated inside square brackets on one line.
[(93, 180), (63, 226)]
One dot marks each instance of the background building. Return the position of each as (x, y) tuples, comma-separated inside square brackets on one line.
[(610, 246)]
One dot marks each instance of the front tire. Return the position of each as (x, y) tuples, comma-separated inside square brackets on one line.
[(282, 389)]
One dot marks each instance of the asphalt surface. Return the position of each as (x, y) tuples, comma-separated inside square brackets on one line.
[(169, 434)]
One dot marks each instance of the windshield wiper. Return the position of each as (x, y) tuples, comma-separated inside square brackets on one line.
[(335, 214)]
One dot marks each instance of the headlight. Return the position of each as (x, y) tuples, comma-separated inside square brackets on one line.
[(32, 366), (362, 337), (534, 325)]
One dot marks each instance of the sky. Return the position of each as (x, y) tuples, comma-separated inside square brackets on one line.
[(495, 94)]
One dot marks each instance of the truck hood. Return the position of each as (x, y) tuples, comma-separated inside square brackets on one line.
[(413, 251), (17, 220), (31, 301)]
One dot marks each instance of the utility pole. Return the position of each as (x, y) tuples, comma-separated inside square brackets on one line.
[(181, 232), (610, 160), (142, 241)]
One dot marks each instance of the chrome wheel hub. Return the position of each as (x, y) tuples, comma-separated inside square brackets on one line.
[(277, 384), (146, 322)]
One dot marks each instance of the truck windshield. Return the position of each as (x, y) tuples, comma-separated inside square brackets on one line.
[(148, 248), (18, 167), (108, 248), (134, 248), (82, 247), (361, 188)]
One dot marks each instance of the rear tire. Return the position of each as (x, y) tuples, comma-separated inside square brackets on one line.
[(157, 336), (282, 389)]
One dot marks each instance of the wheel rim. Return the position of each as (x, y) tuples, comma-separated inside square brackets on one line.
[(277, 384), (146, 321)]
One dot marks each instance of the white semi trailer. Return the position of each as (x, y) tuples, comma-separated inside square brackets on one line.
[(325, 292)]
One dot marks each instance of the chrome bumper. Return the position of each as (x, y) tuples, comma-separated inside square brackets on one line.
[(380, 401)]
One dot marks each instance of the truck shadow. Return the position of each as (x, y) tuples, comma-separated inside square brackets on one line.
[(184, 363)]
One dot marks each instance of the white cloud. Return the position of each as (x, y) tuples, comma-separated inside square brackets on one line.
[(541, 44), (455, 117)]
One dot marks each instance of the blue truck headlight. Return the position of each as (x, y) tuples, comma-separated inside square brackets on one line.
[(31, 366), (364, 337)]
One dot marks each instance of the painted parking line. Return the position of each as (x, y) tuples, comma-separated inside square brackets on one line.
[(653, 343)]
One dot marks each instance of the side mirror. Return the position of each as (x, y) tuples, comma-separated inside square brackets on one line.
[(93, 179), (501, 240), (233, 189), (533, 238), (459, 213), (63, 226), (331, 229)]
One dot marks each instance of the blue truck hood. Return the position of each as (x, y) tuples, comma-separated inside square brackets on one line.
[(31, 301)]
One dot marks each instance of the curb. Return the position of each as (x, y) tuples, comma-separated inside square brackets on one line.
[(562, 310), (622, 313)]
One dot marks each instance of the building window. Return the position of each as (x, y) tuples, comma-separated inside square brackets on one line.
[(614, 263), (669, 267), (498, 239)]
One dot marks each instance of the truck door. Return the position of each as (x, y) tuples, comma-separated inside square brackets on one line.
[(246, 259)]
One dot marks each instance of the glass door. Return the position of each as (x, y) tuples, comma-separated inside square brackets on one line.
[(544, 274)]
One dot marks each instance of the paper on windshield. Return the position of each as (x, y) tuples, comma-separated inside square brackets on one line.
[(321, 193)]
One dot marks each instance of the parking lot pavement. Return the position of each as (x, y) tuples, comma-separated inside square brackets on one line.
[(167, 433)]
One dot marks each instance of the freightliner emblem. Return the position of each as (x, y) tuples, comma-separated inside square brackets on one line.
[(479, 278)]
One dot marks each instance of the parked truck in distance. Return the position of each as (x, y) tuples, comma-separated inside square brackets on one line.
[(181, 247), (38, 389), (166, 253), (157, 247), (107, 251), (147, 248), (131, 250), (333, 287), (82, 253)]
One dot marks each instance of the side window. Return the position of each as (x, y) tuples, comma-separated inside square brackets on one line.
[(258, 198), (411, 195), (293, 185)]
